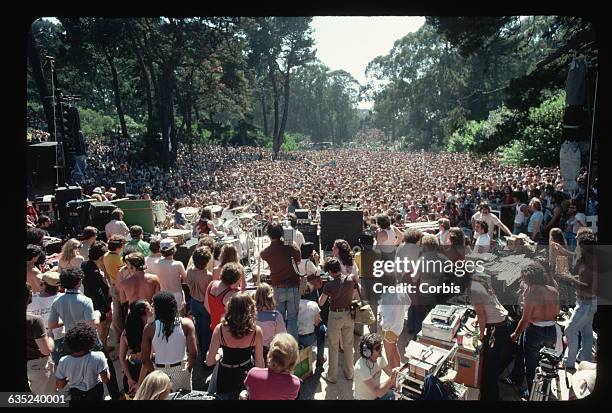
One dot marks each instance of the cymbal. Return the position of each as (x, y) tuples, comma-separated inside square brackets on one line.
[(215, 208), (188, 210), (246, 215)]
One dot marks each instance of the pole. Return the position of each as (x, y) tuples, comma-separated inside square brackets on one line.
[(586, 205), (50, 59)]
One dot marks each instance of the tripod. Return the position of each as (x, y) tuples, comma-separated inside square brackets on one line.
[(542, 385)]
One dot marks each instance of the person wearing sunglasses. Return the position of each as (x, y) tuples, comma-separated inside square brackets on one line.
[(368, 369)]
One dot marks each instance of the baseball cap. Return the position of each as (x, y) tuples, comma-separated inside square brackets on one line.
[(52, 278), (166, 244)]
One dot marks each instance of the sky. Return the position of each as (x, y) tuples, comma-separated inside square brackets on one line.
[(350, 43)]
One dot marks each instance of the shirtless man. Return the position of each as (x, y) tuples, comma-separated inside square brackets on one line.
[(538, 325), (140, 285), (33, 274)]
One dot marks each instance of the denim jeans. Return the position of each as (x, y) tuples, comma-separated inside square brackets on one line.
[(389, 396), (581, 324), (202, 326), (288, 304), (534, 338), (518, 228), (317, 336), (570, 237)]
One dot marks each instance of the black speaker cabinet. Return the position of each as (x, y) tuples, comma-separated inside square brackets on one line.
[(314, 238), (185, 251), (120, 187), (40, 169), (100, 214), (62, 196), (345, 224), (78, 215)]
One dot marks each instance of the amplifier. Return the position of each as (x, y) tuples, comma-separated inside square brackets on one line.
[(180, 236), (307, 228), (100, 214), (439, 330), (62, 196), (302, 214)]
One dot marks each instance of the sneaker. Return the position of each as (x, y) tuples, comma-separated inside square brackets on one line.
[(324, 377)]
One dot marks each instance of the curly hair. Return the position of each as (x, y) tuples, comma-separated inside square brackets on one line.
[(412, 236), (534, 273), (241, 315), (70, 277), (166, 311), (345, 255), (201, 257), (331, 265), (97, 250), (81, 337), (137, 260), (231, 273)]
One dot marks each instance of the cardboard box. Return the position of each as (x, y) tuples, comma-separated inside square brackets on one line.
[(303, 370)]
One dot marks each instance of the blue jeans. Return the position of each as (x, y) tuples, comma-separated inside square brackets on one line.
[(570, 237), (288, 304), (581, 324), (534, 338), (202, 326), (389, 396), (518, 228), (319, 336)]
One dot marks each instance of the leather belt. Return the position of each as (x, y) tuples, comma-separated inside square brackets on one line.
[(341, 310), (286, 286), (168, 365)]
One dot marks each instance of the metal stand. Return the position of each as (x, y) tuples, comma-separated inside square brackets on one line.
[(542, 385)]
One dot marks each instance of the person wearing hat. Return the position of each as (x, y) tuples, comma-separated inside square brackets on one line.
[(171, 273), (41, 306)]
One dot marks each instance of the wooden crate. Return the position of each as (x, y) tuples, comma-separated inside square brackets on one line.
[(303, 370)]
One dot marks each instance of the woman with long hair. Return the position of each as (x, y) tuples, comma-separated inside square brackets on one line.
[(268, 318), (70, 256), (156, 386), (174, 340), (229, 253), (219, 292), (241, 340), (129, 344), (342, 251)]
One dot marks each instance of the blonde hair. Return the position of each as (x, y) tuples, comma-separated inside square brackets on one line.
[(283, 355), (156, 386), (69, 249), (264, 297)]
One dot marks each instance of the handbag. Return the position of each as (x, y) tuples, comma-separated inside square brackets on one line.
[(362, 313)]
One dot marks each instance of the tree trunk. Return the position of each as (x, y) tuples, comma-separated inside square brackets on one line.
[(281, 132), (264, 111), (165, 97), (275, 137), (39, 78), (146, 81), (111, 63)]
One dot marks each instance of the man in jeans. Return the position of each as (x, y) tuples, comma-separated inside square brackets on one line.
[(283, 278), (537, 324), (581, 322)]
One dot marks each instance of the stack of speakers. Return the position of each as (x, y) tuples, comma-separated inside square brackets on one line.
[(310, 234), (340, 223), (62, 196)]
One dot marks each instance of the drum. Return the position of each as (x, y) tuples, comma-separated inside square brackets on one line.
[(159, 210), (231, 240)]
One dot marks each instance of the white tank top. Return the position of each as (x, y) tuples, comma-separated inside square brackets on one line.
[(169, 351), (390, 237), (519, 217)]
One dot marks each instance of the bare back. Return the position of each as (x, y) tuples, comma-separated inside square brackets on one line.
[(544, 302), (142, 287)]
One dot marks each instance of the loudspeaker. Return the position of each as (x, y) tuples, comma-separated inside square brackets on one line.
[(120, 187), (62, 196), (185, 251), (78, 215), (101, 214), (314, 238), (345, 224), (41, 171), (307, 228)]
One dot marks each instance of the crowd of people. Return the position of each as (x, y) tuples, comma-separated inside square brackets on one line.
[(126, 295)]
